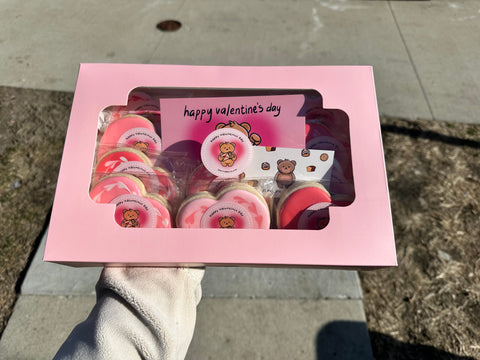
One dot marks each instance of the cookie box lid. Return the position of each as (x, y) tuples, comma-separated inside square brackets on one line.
[(360, 235)]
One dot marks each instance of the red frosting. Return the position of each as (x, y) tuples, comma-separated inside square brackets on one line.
[(297, 202)]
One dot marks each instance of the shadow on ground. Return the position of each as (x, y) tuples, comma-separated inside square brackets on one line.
[(345, 340)]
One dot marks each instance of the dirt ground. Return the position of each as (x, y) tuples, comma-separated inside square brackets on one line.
[(433, 298), (428, 307)]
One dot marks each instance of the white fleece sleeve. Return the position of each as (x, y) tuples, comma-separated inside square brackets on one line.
[(140, 313)]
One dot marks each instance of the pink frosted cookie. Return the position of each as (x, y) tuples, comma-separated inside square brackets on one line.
[(156, 180), (237, 206), (115, 130), (115, 185), (145, 140), (134, 211), (116, 157), (296, 200), (162, 210)]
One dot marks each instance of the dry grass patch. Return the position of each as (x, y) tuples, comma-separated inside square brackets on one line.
[(433, 297)]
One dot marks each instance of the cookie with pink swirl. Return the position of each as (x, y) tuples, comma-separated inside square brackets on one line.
[(236, 206)]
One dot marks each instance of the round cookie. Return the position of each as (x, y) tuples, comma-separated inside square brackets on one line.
[(156, 180), (191, 210), (235, 206), (118, 127), (134, 211), (162, 210), (296, 200), (145, 140), (116, 157), (114, 185)]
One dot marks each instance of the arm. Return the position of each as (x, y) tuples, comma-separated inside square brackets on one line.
[(140, 313)]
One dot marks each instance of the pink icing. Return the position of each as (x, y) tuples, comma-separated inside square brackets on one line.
[(111, 187), (162, 214), (191, 214), (296, 203), (117, 128), (110, 162), (134, 211)]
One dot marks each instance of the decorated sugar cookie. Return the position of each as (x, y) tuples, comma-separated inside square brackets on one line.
[(296, 200), (116, 157), (145, 140), (156, 180), (236, 206), (127, 128), (114, 185), (162, 210), (134, 211)]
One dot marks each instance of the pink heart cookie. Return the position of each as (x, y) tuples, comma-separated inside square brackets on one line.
[(237, 206), (296, 200), (115, 185)]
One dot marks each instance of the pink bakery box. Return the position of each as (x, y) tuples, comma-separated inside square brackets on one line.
[(359, 233)]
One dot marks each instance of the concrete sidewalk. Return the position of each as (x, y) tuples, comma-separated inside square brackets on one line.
[(425, 55), (245, 313)]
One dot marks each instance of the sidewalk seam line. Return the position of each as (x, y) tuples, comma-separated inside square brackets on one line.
[(417, 75)]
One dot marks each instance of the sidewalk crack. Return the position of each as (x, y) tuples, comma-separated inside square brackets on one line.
[(415, 70)]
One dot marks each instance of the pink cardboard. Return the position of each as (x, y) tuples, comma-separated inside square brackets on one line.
[(84, 233)]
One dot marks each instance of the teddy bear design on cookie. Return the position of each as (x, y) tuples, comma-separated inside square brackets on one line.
[(130, 218), (285, 176), (141, 145), (244, 127), (227, 154), (226, 222)]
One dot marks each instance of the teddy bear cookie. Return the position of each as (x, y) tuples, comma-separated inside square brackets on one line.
[(300, 201), (236, 206)]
